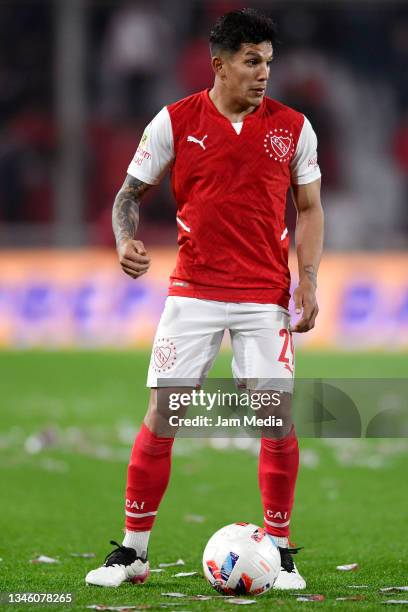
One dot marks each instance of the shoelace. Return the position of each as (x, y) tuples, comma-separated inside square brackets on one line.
[(286, 558), (122, 555)]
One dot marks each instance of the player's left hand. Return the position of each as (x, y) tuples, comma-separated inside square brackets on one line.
[(304, 298)]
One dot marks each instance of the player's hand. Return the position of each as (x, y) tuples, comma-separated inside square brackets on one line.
[(304, 298), (133, 257)]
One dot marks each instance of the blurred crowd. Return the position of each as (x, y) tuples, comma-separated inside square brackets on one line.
[(345, 65)]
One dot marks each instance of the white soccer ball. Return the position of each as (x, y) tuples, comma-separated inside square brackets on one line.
[(241, 559)]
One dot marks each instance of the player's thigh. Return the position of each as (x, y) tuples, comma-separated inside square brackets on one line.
[(187, 341), (263, 349)]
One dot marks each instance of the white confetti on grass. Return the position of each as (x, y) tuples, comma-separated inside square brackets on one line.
[(371, 454), (44, 439), (83, 555), (136, 607), (394, 589), (200, 597), (194, 518), (53, 465), (309, 458), (196, 597), (241, 602), (173, 564), (395, 601), (310, 597), (120, 608), (350, 567), (185, 574), (44, 559), (156, 570)]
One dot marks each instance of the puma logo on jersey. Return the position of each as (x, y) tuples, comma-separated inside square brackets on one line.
[(199, 142)]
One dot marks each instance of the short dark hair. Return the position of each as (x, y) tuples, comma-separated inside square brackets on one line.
[(241, 26)]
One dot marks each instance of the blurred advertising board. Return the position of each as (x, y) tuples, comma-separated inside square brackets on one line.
[(81, 298)]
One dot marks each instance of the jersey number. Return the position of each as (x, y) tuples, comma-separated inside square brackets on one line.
[(287, 343)]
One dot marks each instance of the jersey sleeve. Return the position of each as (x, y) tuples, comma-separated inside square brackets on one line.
[(155, 152), (304, 167)]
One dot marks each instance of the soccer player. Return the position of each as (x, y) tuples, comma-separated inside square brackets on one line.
[(233, 153)]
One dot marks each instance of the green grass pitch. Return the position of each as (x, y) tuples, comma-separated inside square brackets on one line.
[(351, 503)]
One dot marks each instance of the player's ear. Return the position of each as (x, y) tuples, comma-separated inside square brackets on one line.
[(218, 65)]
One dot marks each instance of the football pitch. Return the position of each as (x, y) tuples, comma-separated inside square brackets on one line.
[(68, 420)]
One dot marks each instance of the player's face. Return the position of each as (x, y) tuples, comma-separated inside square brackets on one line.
[(246, 72)]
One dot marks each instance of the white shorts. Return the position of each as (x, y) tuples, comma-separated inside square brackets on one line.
[(189, 336)]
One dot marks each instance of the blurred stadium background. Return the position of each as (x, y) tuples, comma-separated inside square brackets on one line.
[(80, 80)]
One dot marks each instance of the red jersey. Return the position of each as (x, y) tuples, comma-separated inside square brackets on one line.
[(230, 183)]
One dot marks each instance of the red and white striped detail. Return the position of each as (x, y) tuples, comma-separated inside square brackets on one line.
[(183, 225), (140, 514)]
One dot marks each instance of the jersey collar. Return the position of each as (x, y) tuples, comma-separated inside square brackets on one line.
[(258, 112)]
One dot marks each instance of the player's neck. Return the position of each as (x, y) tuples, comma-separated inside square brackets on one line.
[(228, 106)]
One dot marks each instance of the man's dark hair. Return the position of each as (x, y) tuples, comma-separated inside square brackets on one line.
[(241, 26)]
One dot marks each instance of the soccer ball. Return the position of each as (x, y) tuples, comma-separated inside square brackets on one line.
[(241, 559)]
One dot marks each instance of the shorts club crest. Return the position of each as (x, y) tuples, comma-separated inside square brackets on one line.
[(164, 355)]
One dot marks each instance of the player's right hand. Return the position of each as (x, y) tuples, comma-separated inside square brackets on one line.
[(133, 257)]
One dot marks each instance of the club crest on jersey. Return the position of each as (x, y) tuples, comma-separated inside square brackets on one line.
[(278, 144), (164, 355)]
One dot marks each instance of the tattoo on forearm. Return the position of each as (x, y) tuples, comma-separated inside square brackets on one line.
[(125, 213), (311, 273)]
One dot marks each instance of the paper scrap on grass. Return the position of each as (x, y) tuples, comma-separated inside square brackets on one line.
[(44, 439), (118, 608), (207, 597), (310, 597), (121, 608), (358, 586), (194, 518), (351, 567), (394, 589), (395, 601), (156, 570), (83, 555), (351, 598), (178, 562), (241, 602), (185, 574), (200, 597), (44, 559)]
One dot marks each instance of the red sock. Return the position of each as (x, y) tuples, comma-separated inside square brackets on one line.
[(278, 468), (148, 476)]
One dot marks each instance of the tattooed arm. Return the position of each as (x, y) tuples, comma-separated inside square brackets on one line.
[(133, 257), (309, 246)]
